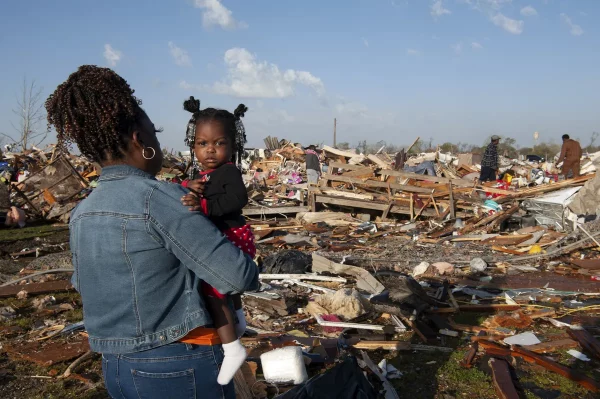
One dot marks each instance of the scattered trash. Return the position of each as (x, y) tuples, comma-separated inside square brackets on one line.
[(578, 355), (525, 339)]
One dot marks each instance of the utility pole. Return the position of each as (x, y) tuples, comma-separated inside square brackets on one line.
[(334, 131)]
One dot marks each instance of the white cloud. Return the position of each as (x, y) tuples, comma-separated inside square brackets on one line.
[(482, 5), (508, 24), (575, 29), (248, 77), (215, 13), (111, 55), (187, 86), (412, 51), (457, 48), (181, 56), (351, 108), (437, 9), (365, 42), (476, 46), (529, 11)]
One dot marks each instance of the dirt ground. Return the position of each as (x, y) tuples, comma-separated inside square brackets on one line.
[(425, 374)]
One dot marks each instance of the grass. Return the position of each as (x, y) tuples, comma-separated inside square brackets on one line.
[(26, 233), (445, 376), (542, 383)]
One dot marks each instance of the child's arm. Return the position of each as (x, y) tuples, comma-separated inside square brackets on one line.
[(234, 199)]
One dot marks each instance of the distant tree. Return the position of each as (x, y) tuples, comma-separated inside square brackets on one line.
[(547, 150), (591, 147), (417, 148), (343, 146), (362, 147), (447, 147), (30, 114), (525, 151)]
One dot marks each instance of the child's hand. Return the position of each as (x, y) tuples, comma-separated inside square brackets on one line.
[(192, 201), (196, 186)]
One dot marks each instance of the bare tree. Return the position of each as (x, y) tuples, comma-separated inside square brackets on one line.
[(30, 114)]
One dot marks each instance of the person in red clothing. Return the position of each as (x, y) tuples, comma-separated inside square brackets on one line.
[(216, 139)]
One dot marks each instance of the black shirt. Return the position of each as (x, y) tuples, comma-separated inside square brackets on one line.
[(312, 162), (226, 196)]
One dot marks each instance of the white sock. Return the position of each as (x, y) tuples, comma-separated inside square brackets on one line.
[(235, 355)]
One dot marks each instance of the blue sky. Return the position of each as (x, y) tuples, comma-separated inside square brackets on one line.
[(452, 70)]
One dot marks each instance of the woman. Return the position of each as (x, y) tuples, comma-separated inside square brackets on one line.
[(137, 251)]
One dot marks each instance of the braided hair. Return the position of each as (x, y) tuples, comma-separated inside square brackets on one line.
[(96, 109), (232, 126)]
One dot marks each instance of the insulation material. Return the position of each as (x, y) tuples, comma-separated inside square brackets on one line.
[(346, 303)]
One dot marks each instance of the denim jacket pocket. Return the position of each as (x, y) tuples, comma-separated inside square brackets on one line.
[(176, 385)]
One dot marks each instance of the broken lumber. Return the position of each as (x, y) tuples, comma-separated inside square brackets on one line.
[(587, 341), (494, 349), (383, 345), (553, 346), (377, 184), (551, 365), (503, 383), (36, 288)]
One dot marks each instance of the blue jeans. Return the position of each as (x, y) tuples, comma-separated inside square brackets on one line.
[(177, 371)]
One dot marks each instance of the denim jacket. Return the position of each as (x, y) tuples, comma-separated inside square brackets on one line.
[(139, 255)]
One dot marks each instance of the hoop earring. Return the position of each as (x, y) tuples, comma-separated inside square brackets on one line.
[(144, 153)]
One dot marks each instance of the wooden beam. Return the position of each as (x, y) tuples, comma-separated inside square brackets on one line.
[(375, 205), (555, 367), (503, 383), (452, 210), (553, 346), (416, 176), (379, 184), (587, 341), (36, 288), (265, 210)]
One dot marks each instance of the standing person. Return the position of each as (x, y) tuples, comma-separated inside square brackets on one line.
[(489, 163), (313, 166), (216, 139), (138, 260), (570, 156)]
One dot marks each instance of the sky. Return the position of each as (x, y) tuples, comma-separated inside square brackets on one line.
[(388, 70)]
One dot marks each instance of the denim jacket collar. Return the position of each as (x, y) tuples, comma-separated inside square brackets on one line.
[(119, 171)]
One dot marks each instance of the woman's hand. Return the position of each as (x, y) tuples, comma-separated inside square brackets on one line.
[(192, 201), (196, 186)]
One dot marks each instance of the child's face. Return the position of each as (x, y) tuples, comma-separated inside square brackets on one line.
[(212, 147)]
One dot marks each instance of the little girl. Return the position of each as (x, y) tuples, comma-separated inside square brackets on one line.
[(216, 139)]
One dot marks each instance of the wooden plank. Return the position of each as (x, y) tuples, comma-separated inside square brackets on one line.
[(379, 162), (587, 341), (503, 383), (557, 368), (383, 345), (553, 346), (379, 184), (512, 239), (375, 205), (36, 288), (347, 194), (416, 176), (452, 210), (478, 308), (265, 210)]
